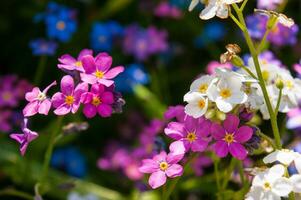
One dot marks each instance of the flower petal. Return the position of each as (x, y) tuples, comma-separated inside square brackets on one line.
[(45, 107), (199, 145), (209, 11), (217, 131), (157, 179), (221, 148), (243, 134), (107, 98), (58, 99), (175, 130), (296, 181), (174, 170), (112, 73), (238, 151), (89, 110), (88, 78), (88, 64), (148, 166), (31, 109), (104, 110), (103, 61), (231, 123), (84, 52), (282, 187), (67, 85)]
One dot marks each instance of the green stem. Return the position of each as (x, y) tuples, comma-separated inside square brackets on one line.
[(263, 41), (241, 172), (40, 70), (260, 77), (217, 175), (243, 5), (233, 162), (16, 193), (249, 72), (278, 102), (49, 150)]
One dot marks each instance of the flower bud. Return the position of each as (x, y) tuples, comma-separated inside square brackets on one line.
[(237, 61), (210, 114), (221, 116), (279, 83)]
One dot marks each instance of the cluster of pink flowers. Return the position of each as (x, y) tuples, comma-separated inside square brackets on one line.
[(90, 82), (12, 90), (196, 135)]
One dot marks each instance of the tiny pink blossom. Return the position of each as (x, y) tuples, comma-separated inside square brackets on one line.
[(98, 100), (38, 101), (192, 133), (67, 62), (159, 167), (25, 138), (69, 98), (97, 70), (230, 138), (210, 69)]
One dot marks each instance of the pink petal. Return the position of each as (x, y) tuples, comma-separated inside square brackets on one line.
[(86, 97), (88, 64), (23, 148), (174, 170), (31, 96), (148, 166), (75, 107), (112, 73), (67, 85), (84, 52), (79, 90), (45, 107), (175, 130), (217, 131), (89, 110), (238, 151), (103, 62), (62, 110), (157, 179), (199, 145), (18, 137), (221, 148), (204, 128), (231, 123), (243, 134), (177, 151), (107, 98), (58, 99), (160, 157), (48, 87), (88, 78), (31, 109), (105, 82), (97, 89), (67, 59), (104, 110)]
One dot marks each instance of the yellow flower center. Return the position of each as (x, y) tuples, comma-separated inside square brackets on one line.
[(99, 74), (229, 138), (202, 103), (96, 101), (225, 93), (203, 88), (163, 166), (267, 186), (191, 137), (69, 100), (79, 64), (265, 75), (289, 84), (60, 25)]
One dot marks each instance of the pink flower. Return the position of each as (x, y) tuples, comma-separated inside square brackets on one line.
[(159, 167), (25, 138), (230, 138), (97, 70), (69, 98), (192, 133), (175, 112), (38, 101), (210, 69), (98, 100), (67, 62)]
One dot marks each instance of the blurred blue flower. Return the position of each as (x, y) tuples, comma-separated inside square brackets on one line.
[(41, 47), (212, 32), (101, 37), (70, 160), (180, 3), (115, 28), (133, 75)]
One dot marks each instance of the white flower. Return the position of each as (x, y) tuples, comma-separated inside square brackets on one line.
[(197, 104), (281, 18), (296, 181), (193, 4), (220, 8), (270, 185), (254, 101), (284, 156), (201, 84), (227, 93)]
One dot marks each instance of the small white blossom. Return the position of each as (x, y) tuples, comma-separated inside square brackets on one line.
[(201, 84), (296, 182), (284, 156), (197, 104), (270, 185)]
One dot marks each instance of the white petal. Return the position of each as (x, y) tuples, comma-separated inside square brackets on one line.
[(275, 172), (255, 193), (193, 4), (209, 11), (223, 11), (194, 110), (259, 180), (296, 181), (298, 164), (212, 92), (272, 157), (238, 97), (223, 105), (232, 1), (282, 187)]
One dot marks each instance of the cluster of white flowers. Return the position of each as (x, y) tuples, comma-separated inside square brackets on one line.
[(274, 183)]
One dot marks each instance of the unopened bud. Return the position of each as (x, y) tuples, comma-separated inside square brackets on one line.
[(220, 115), (210, 114), (237, 61), (279, 83)]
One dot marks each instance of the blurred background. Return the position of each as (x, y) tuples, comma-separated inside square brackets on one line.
[(163, 48)]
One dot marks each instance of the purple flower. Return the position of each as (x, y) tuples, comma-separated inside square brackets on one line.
[(230, 138), (97, 70), (282, 35), (175, 112), (268, 4), (256, 25), (159, 167), (200, 163), (67, 62), (69, 98), (98, 100), (192, 133), (165, 9), (38, 101), (8, 94), (25, 138), (5, 117)]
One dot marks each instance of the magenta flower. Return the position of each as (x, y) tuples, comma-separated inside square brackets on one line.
[(98, 100), (25, 138), (67, 62), (230, 138), (38, 101), (69, 98), (193, 133), (159, 167), (97, 70)]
